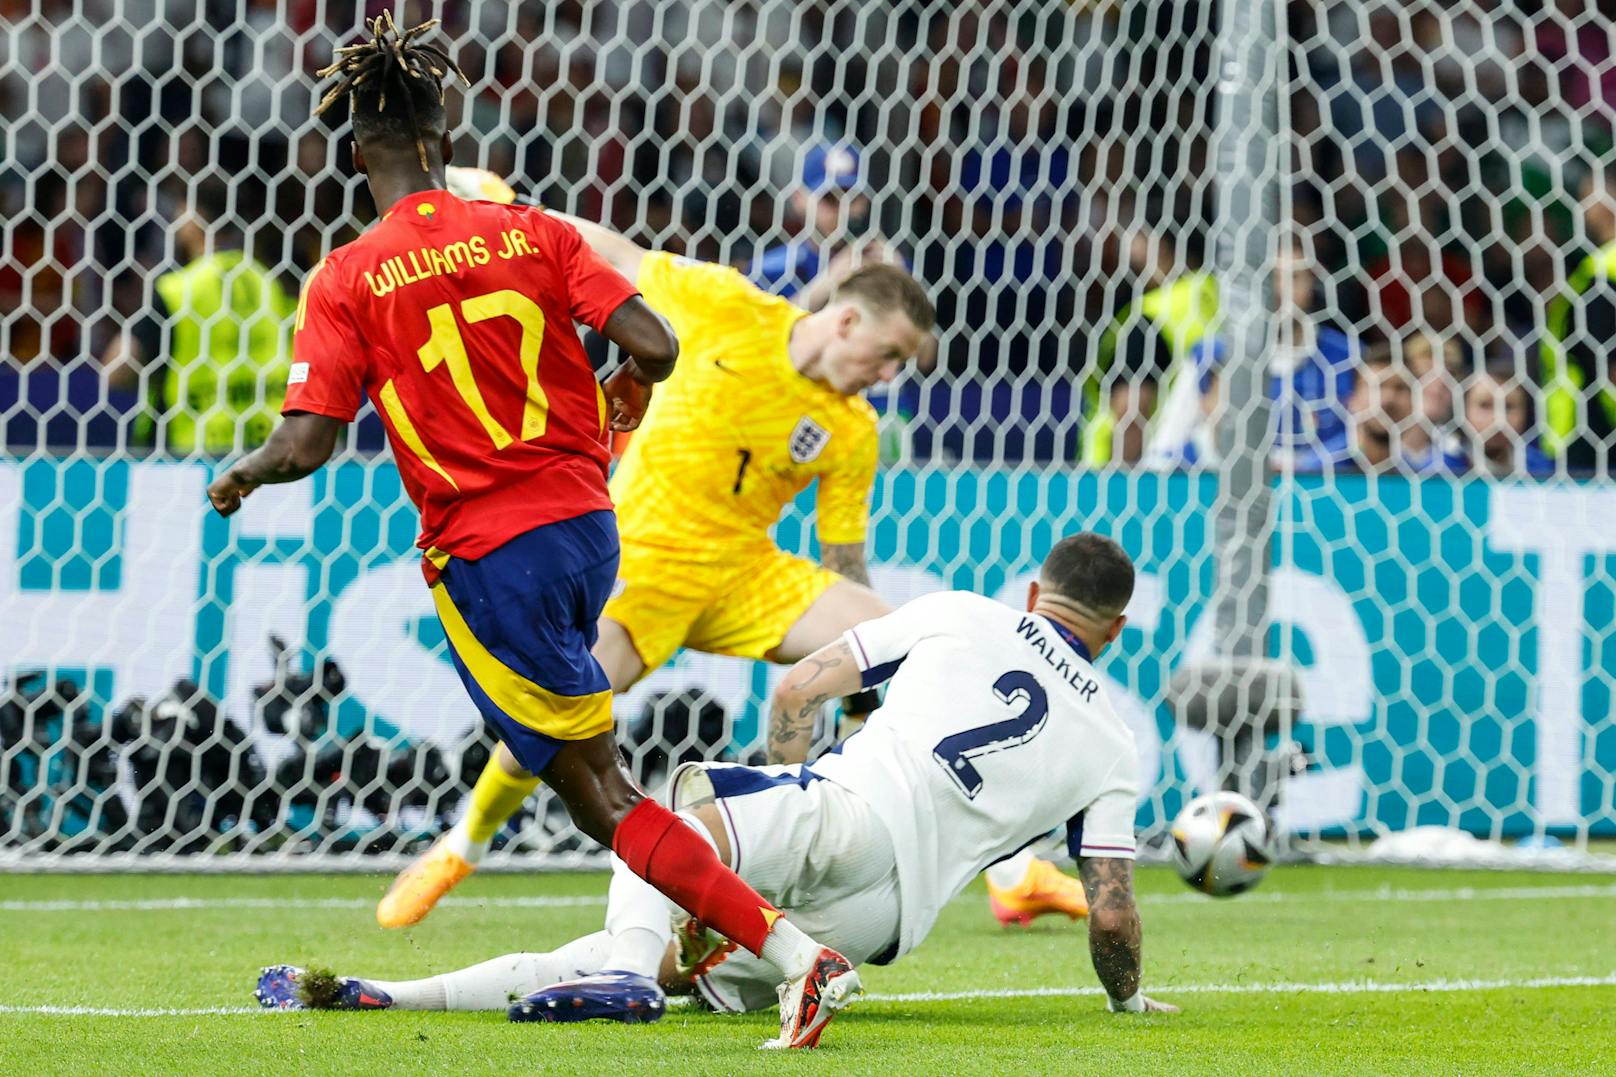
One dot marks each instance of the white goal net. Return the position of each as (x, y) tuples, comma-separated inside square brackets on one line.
[(1433, 298)]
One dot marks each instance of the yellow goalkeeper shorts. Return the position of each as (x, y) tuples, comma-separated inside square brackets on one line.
[(742, 607)]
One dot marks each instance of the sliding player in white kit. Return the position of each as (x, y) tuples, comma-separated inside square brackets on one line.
[(994, 733)]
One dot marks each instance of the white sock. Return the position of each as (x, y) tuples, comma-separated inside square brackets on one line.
[(423, 994), (640, 918), (491, 985), (1009, 873), (789, 950), (639, 921), (459, 842), (638, 951)]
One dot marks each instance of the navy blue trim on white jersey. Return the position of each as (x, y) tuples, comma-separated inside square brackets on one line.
[(1071, 639), (739, 781), (879, 675), (1074, 836), (872, 676)]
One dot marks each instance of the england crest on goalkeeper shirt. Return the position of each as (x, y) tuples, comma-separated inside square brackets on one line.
[(808, 440)]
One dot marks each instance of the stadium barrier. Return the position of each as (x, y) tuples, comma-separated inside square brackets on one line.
[(1455, 640)]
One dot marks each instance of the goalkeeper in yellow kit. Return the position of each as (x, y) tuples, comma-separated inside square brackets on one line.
[(766, 399)]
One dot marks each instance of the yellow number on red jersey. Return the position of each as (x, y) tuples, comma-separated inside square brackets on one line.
[(445, 346)]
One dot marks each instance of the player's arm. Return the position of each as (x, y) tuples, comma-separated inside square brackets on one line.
[(646, 336), (1101, 839), (846, 559), (1596, 310), (298, 447), (652, 349), (829, 672), (604, 297), (620, 252), (129, 352), (866, 657), (843, 507)]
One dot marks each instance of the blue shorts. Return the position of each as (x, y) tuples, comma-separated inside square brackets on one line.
[(520, 622)]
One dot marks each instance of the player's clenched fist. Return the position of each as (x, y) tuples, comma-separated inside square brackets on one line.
[(629, 391), (228, 489)]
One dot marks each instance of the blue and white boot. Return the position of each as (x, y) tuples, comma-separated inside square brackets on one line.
[(281, 987), (605, 996)]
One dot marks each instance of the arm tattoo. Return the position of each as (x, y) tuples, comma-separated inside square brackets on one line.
[(846, 559), (791, 731), (799, 699), (1114, 929)]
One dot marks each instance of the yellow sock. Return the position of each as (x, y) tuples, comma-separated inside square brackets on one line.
[(494, 799)]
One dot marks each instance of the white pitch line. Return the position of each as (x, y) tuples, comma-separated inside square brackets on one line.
[(1166, 991), (166, 904), (1376, 894), (1348, 987), (96, 1011), (1387, 893)]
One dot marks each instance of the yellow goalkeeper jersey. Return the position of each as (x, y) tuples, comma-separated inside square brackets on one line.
[(737, 431)]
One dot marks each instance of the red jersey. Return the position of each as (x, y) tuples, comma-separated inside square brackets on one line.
[(456, 319)]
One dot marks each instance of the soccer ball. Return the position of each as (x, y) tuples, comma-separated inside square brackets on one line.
[(1222, 844)]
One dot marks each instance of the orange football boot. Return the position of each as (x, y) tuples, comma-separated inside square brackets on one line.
[(1044, 889), (420, 886)]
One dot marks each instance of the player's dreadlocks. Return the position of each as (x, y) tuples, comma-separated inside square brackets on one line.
[(398, 65)]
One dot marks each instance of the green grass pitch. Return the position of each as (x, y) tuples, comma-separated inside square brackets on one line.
[(1473, 972)]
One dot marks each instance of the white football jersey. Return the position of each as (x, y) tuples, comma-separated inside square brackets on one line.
[(994, 732)]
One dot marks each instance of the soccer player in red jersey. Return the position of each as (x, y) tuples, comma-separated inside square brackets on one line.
[(455, 318)]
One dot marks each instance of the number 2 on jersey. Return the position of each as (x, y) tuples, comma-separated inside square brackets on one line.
[(446, 346), (956, 752)]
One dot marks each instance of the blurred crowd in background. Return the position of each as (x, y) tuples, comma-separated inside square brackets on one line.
[(1445, 272)]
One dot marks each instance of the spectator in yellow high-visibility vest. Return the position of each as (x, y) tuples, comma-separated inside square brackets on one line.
[(1579, 387), (209, 354), (1145, 348)]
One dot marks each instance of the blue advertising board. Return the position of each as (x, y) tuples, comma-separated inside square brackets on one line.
[(1455, 637)]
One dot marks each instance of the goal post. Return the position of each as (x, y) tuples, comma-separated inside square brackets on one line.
[(1241, 695)]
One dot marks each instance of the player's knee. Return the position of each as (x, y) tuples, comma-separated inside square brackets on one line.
[(599, 816), (617, 655), (506, 760)]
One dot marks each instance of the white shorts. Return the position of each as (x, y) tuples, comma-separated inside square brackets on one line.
[(812, 848)]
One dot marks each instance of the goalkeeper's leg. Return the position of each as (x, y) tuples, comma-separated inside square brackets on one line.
[(500, 790), (1025, 887)]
